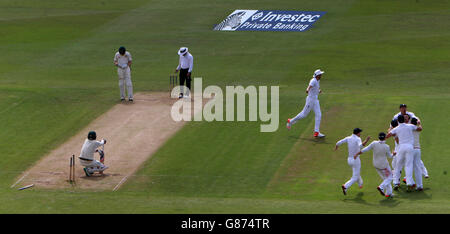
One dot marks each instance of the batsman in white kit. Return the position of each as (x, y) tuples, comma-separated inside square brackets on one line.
[(87, 155), (123, 60), (312, 103), (381, 151), (405, 153), (354, 145)]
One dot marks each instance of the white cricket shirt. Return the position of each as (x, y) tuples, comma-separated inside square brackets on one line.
[(122, 59), (354, 144), (404, 132), (186, 62), (315, 87), (89, 147), (411, 115), (381, 151)]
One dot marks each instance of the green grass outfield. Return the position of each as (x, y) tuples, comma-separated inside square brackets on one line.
[(56, 76)]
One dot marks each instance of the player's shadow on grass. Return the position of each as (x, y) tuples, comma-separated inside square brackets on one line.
[(315, 140), (358, 199), (321, 140), (294, 137), (389, 202), (414, 195)]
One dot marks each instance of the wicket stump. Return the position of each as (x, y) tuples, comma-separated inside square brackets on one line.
[(173, 82), (72, 169)]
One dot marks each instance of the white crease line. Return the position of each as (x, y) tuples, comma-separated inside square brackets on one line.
[(120, 183), (12, 186)]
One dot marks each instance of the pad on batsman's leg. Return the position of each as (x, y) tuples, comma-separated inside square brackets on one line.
[(102, 156)]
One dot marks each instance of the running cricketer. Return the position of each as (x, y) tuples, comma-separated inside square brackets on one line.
[(381, 151), (354, 145), (312, 103)]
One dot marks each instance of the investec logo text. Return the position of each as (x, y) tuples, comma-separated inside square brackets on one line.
[(264, 20), (213, 110)]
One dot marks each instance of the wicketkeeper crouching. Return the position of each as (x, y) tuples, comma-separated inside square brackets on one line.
[(87, 155)]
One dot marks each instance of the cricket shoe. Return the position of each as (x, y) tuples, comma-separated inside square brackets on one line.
[(122, 99), (396, 187), (420, 189), (103, 168), (410, 188), (389, 195), (86, 172), (130, 99), (381, 191), (344, 190), (289, 124), (318, 134)]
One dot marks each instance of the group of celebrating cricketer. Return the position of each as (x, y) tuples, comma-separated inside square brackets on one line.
[(405, 128)]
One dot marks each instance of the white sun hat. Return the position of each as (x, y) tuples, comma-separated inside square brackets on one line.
[(182, 50), (318, 72)]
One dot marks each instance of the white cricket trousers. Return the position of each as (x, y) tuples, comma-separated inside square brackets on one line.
[(311, 104), (424, 169), (386, 176), (125, 79), (355, 164), (93, 166), (405, 158), (394, 165), (418, 168)]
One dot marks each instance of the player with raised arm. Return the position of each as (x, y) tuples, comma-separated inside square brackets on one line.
[(381, 151), (354, 146)]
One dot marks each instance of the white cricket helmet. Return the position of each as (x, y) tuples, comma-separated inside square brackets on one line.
[(182, 50), (318, 72)]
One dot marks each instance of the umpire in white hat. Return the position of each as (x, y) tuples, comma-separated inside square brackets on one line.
[(185, 66)]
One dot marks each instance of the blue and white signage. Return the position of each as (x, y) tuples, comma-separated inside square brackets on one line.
[(267, 20)]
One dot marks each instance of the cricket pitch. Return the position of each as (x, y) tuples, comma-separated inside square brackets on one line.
[(134, 131)]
